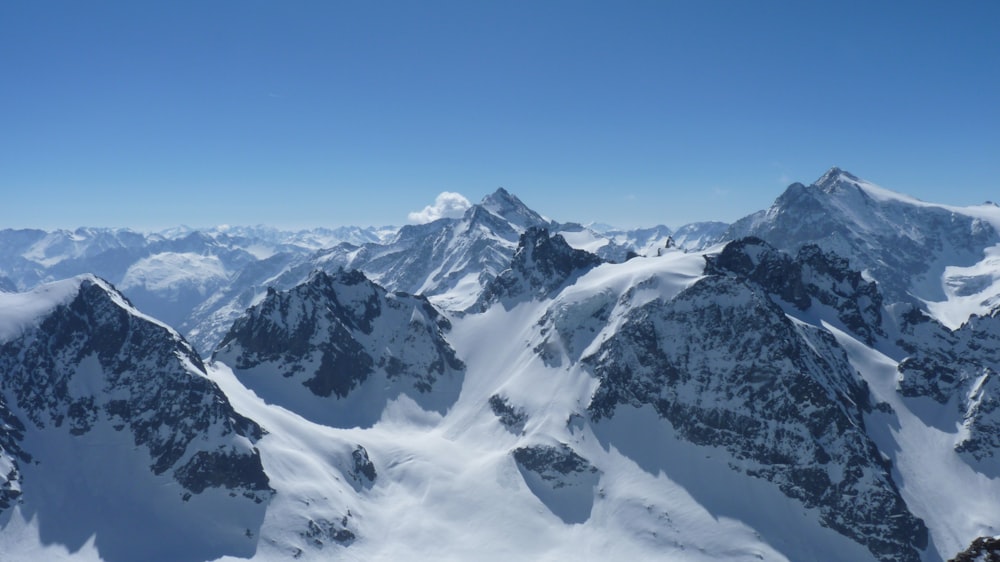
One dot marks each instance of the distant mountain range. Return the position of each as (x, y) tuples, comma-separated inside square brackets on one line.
[(816, 381)]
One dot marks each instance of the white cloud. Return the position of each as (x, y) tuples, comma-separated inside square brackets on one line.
[(448, 204)]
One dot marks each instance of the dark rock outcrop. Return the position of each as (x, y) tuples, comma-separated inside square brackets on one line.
[(726, 367), (541, 265), (334, 333)]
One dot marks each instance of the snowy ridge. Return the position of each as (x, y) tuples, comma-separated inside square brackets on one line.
[(118, 420), (24, 310)]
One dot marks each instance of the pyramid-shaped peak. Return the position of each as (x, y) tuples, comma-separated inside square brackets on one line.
[(504, 204), (501, 198), (835, 175)]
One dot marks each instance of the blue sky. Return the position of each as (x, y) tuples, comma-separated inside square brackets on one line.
[(301, 114)]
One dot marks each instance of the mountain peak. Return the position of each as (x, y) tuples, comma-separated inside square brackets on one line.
[(835, 175), (504, 204), (541, 264), (500, 194), (22, 310)]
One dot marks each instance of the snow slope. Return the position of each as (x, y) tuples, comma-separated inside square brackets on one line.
[(449, 487)]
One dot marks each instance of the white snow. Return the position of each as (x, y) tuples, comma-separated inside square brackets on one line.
[(169, 270), (972, 290), (957, 503), (448, 487), (19, 311), (585, 239)]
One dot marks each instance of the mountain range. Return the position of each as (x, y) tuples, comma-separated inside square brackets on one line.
[(816, 381)]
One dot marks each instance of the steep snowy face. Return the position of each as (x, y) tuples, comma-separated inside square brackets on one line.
[(728, 365), (699, 235), (112, 430), (904, 244), (172, 284), (508, 207), (692, 237), (540, 266), (337, 348), (960, 372)]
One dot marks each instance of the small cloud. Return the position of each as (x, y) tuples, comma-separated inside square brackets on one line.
[(630, 197), (447, 205)]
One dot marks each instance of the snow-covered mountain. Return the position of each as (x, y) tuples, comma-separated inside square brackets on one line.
[(115, 438), (502, 386), (338, 347), (942, 256)]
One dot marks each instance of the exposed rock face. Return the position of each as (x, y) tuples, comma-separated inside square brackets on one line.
[(726, 367), (336, 331), (559, 477), (811, 277), (541, 265), (364, 468), (511, 417), (983, 549), (321, 532), (553, 464), (11, 453)]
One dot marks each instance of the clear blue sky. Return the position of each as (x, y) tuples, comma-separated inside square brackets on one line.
[(324, 113)]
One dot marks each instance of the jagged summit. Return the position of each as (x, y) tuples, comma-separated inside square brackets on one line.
[(499, 198), (835, 175), (340, 334), (503, 203), (541, 264)]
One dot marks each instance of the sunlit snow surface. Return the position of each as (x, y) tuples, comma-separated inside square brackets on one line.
[(18, 311), (959, 291), (956, 502), (449, 489)]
